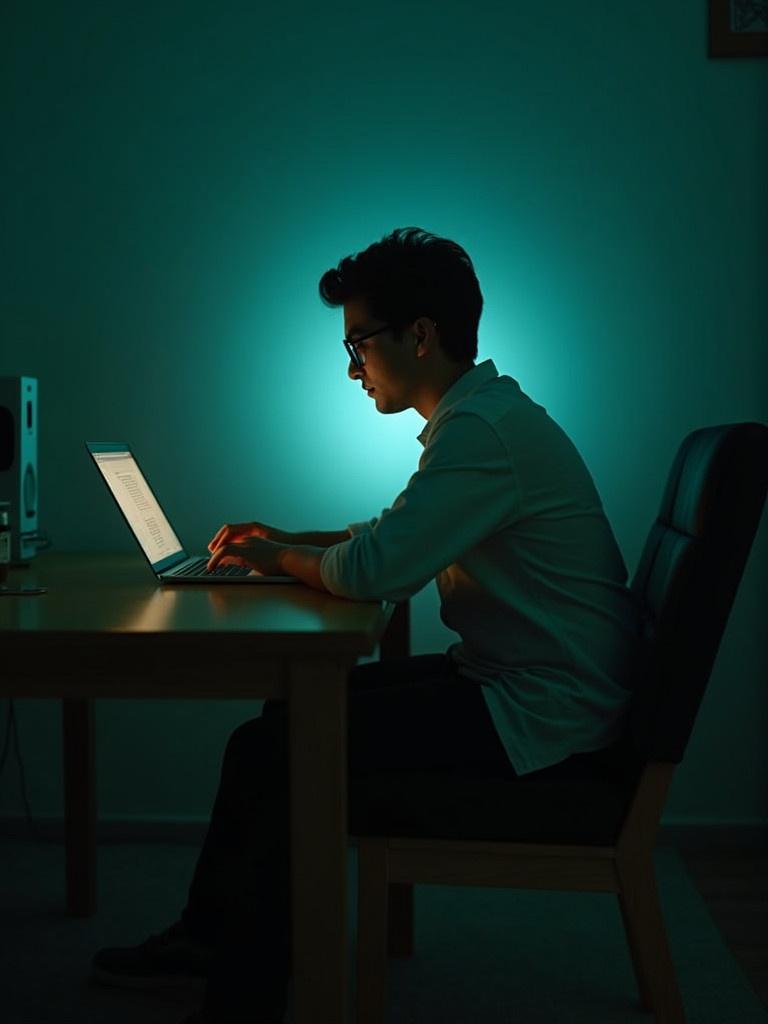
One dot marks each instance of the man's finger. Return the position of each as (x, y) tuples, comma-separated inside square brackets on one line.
[(220, 553), (233, 551), (217, 538), (229, 532)]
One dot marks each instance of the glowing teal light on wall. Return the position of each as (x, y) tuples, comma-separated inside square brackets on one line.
[(178, 185)]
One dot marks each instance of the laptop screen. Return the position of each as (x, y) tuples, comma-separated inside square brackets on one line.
[(137, 503)]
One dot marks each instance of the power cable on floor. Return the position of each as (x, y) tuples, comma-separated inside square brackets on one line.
[(12, 733)]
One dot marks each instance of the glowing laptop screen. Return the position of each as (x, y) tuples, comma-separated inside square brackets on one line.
[(138, 504)]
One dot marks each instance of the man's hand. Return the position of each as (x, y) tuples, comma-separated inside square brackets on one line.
[(235, 532), (254, 551), (270, 558), (274, 552)]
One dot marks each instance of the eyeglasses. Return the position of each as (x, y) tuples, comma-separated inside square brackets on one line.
[(358, 358)]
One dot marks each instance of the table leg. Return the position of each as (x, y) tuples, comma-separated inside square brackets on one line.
[(396, 643), (317, 703), (79, 805)]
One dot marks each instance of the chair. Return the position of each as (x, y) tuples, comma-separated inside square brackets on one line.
[(587, 833)]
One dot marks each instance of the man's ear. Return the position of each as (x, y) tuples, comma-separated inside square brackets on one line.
[(423, 332)]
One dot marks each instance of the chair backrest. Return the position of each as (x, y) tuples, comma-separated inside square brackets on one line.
[(688, 574)]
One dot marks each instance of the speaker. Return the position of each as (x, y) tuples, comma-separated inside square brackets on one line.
[(18, 462)]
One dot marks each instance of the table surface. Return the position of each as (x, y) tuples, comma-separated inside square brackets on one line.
[(118, 594), (109, 629)]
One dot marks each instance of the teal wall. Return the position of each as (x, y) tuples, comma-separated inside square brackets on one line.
[(177, 177)]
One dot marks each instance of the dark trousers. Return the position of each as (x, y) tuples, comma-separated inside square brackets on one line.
[(409, 714)]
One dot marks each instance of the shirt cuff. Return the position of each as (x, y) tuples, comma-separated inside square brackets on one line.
[(331, 566), (355, 528)]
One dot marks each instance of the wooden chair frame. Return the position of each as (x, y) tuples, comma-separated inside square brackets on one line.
[(389, 867)]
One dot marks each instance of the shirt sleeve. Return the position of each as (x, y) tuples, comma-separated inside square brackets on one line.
[(463, 492), (355, 528)]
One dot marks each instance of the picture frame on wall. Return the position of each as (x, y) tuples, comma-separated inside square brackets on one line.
[(738, 28)]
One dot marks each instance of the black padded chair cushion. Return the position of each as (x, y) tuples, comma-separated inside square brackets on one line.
[(688, 574), (583, 801), (429, 806)]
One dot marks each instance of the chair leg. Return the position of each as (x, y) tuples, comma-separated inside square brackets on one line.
[(372, 921), (400, 937), (648, 945)]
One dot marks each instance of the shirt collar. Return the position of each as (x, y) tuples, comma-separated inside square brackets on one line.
[(465, 385)]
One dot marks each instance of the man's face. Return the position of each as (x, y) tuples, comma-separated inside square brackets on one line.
[(390, 370)]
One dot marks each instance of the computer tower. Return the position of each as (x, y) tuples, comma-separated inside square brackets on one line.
[(18, 462)]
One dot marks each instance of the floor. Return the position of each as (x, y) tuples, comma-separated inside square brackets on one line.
[(734, 885)]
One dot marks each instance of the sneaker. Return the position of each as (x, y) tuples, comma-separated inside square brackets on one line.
[(170, 959)]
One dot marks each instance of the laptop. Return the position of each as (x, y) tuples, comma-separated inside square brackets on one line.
[(151, 528)]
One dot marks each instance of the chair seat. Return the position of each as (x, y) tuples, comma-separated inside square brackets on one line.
[(580, 811)]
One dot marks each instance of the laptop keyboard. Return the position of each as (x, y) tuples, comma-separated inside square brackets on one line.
[(198, 569)]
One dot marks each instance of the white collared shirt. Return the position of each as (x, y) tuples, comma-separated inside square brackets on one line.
[(504, 514)]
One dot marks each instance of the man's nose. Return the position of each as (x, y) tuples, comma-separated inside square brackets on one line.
[(354, 372)]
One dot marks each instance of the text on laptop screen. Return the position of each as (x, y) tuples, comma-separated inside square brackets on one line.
[(138, 504)]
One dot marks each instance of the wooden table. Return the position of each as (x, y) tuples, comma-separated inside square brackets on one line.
[(105, 629)]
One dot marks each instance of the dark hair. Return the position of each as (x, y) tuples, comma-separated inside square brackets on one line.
[(408, 274)]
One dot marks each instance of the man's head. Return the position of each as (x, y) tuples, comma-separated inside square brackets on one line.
[(418, 298)]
